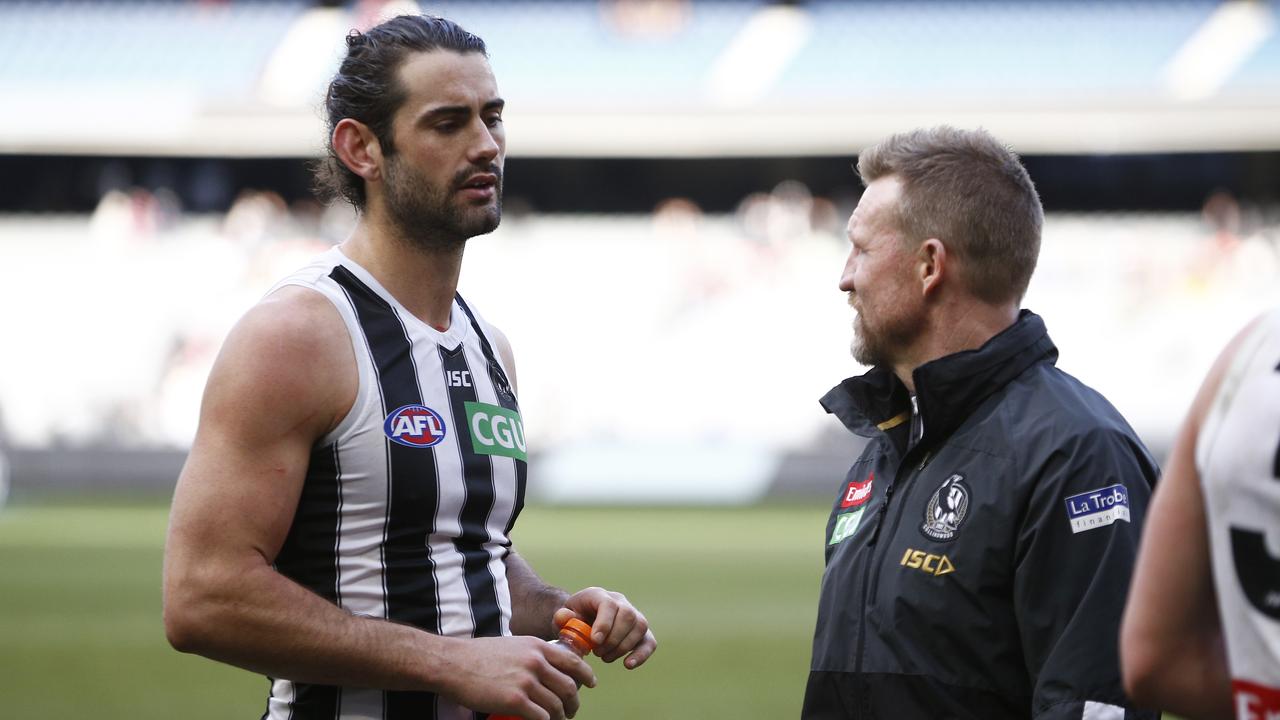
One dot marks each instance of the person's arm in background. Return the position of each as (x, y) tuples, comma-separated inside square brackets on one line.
[(1171, 646), (1069, 587), (285, 377), (617, 628)]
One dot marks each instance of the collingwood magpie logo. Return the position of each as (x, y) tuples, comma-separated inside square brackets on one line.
[(947, 509), (500, 383)]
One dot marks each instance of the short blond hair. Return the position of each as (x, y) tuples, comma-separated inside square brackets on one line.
[(969, 190)]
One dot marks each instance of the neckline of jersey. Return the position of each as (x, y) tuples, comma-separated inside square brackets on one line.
[(459, 324)]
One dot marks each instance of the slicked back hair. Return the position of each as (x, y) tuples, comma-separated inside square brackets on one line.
[(367, 88), (970, 191)]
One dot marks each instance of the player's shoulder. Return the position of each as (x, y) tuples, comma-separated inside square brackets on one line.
[(293, 319), (293, 341), (287, 365), (1261, 334), (1216, 390), (499, 338)]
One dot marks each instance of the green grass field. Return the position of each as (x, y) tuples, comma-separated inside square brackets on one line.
[(731, 594)]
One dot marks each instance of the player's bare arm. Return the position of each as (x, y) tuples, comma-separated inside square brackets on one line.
[(286, 376), (618, 628), (533, 602), (1171, 647)]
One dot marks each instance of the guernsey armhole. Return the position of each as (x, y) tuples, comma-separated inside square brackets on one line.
[(1232, 379), (363, 367), (350, 421)]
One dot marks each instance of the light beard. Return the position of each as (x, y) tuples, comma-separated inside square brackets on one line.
[(883, 346), (866, 347), (428, 217)]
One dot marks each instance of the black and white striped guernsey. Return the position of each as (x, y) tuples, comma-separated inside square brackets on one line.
[(408, 503)]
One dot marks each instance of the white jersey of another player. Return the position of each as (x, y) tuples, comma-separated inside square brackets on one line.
[(1238, 458)]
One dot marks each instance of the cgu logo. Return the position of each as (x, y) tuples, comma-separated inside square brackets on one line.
[(495, 430), (416, 426)]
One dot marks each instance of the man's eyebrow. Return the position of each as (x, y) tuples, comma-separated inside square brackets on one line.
[(444, 111), (459, 110)]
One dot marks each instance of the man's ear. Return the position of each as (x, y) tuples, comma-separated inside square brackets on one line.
[(931, 265), (358, 148)]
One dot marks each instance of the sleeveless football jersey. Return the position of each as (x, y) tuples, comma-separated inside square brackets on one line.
[(408, 503), (1238, 457)]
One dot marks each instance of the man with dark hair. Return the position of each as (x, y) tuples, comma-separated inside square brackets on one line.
[(979, 549), (343, 520)]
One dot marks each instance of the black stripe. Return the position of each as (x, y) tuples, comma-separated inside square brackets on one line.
[(315, 702), (413, 494), (494, 366), (337, 537), (309, 557), (507, 399), (477, 472), (1275, 462)]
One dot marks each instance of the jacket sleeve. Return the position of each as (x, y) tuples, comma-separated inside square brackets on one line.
[(1075, 552)]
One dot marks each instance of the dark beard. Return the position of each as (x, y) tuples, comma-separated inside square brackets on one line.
[(427, 216)]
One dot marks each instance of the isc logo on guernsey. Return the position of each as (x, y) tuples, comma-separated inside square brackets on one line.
[(414, 426)]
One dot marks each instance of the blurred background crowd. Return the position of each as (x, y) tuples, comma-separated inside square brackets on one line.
[(678, 181), (678, 184)]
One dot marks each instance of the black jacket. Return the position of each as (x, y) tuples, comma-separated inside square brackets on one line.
[(981, 571)]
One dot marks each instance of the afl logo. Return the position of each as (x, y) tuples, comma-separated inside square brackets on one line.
[(947, 509), (415, 426)]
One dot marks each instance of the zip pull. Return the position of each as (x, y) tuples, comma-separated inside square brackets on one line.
[(880, 515), (925, 460)]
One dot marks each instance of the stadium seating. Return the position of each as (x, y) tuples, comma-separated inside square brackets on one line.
[(215, 76)]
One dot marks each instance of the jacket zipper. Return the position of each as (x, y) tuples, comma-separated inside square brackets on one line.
[(897, 520), (867, 577)]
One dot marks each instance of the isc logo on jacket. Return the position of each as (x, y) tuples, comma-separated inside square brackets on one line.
[(927, 562)]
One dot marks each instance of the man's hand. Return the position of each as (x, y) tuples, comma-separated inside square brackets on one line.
[(617, 627), (517, 675)]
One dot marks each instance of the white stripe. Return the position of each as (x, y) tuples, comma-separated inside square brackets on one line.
[(505, 487), (304, 59), (363, 505), (363, 490), (1221, 46), (1101, 711), (757, 56), (446, 710), (280, 704), (360, 704)]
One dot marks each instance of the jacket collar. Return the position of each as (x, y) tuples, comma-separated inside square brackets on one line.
[(948, 389)]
